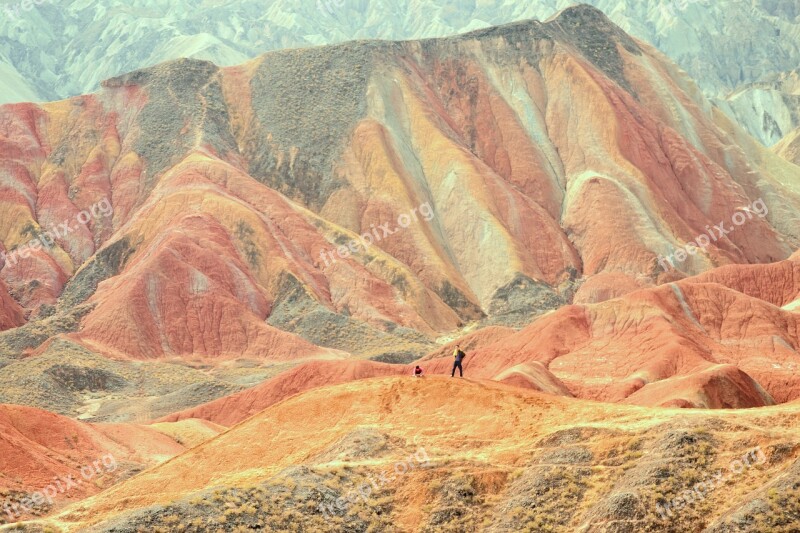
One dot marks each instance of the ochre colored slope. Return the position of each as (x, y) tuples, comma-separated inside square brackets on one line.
[(237, 407), (189, 433), (479, 430), (724, 339), (471, 341)]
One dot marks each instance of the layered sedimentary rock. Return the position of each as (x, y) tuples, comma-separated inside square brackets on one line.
[(73, 47), (369, 196), (768, 109), (727, 338), (10, 312), (235, 408), (724, 339)]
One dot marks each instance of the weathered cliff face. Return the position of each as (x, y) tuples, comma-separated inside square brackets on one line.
[(210, 207)]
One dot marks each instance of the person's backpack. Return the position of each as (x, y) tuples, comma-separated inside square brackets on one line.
[(460, 355)]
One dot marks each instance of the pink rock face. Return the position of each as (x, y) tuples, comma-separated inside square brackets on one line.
[(424, 187), (776, 283), (10, 312), (607, 286), (188, 296), (472, 341), (38, 446), (38, 278), (727, 338), (724, 339), (717, 387)]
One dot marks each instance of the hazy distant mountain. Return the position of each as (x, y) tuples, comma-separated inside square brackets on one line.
[(66, 48), (769, 109), (13, 86)]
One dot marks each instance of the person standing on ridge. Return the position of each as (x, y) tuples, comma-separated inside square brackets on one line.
[(459, 356)]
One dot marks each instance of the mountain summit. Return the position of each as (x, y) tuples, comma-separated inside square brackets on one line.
[(497, 174)]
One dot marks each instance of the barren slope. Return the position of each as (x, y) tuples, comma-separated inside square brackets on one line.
[(474, 455)]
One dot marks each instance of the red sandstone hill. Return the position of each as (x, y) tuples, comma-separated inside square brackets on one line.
[(11, 314), (730, 333), (724, 339), (526, 160), (213, 218), (38, 447)]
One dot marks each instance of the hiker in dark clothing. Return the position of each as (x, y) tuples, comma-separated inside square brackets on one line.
[(459, 356)]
